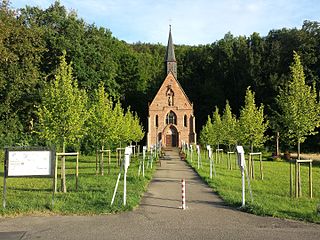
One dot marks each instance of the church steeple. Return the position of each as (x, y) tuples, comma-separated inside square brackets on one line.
[(170, 60)]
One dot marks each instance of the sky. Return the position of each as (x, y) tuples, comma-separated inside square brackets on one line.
[(194, 22)]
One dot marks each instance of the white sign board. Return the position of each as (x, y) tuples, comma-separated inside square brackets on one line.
[(128, 150), (241, 159), (29, 163)]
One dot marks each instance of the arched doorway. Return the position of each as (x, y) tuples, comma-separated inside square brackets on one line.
[(172, 137)]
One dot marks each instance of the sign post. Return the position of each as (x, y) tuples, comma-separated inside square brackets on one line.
[(198, 152), (28, 162), (127, 154), (125, 164), (211, 161), (143, 158), (241, 162)]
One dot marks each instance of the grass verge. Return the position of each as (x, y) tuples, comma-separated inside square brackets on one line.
[(29, 196), (271, 196)]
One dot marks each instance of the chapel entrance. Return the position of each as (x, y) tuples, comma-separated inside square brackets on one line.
[(172, 137)]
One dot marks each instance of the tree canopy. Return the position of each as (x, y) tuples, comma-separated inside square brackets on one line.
[(299, 108), (32, 41)]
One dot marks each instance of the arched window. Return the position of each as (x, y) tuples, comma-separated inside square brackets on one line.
[(156, 121), (191, 123), (171, 118), (185, 121)]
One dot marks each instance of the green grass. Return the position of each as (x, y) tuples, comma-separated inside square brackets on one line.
[(26, 196), (271, 196)]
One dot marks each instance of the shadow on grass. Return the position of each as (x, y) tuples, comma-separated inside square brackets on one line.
[(29, 189)]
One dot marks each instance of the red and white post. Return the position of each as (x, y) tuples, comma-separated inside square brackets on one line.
[(183, 186)]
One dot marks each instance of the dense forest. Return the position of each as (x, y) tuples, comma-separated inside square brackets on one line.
[(32, 40)]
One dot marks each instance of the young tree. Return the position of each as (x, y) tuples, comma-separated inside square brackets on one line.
[(63, 111), (206, 129), (298, 105), (216, 132), (137, 130), (101, 118), (252, 124), (229, 126)]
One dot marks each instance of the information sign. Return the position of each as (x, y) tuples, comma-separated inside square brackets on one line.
[(29, 163)]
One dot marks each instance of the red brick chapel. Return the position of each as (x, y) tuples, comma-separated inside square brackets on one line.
[(171, 120)]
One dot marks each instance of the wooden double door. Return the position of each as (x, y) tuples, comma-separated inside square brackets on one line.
[(172, 137)]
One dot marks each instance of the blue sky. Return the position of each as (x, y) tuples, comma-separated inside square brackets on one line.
[(193, 21)]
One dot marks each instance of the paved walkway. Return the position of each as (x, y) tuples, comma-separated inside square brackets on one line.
[(159, 216)]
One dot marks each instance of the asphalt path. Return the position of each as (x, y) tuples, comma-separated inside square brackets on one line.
[(159, 216)]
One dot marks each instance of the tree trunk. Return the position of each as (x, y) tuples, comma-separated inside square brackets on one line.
[(63, 170), (251, 148), (277, 144), (298, 148)]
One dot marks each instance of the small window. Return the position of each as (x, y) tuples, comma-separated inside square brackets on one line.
[(185, 121), (156, 122), (171, 118), (191, 123)]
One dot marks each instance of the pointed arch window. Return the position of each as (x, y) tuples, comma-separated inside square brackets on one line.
[(156, 121), (185, 121), (171, 118)]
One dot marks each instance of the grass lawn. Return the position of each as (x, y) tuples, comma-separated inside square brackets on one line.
[(271, 196), (26, 196)]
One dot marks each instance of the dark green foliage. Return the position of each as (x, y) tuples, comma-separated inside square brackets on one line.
[(32, 42)]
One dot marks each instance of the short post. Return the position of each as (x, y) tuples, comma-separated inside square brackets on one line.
[(229, 163), (298, 187), (63, 155), (77, 171), (219, 153), (251, 164), (183, 191), (296, 179), (261, 168), (4, 189), (198, 153), (102, 161), (109, 162), (125, 187), (210, 156), (241, 162), (144, 149), (56, 174), (125, 164), (97, 160), (291, 179), (310, 179), (243, 188)]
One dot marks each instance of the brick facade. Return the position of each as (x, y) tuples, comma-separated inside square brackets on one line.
[(171, 120), (176, 127)]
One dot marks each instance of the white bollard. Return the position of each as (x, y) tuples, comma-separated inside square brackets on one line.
[(183, 186), (241, 162), (125, 187), (198, 153)]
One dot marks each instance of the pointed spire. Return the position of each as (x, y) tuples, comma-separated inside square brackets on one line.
[(170, 57)]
